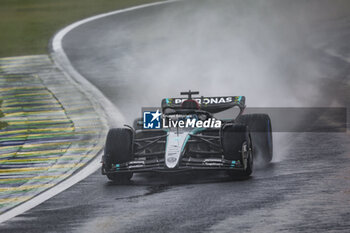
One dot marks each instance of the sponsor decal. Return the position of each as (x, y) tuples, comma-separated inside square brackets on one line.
[(207, 100), (191, 123), (238, 99), (169, 101), (156, 120), (152, 120), (136, 164), (213, 162), (171, 159)]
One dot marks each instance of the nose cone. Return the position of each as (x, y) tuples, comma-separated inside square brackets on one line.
[(175, 143)]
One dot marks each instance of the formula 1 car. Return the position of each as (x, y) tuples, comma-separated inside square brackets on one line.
[(202, 143)]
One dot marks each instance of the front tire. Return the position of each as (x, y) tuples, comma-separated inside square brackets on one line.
[(236, 144), (118, 150)]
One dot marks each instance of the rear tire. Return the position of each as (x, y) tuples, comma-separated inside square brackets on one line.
[(260, 129), (118, 150)]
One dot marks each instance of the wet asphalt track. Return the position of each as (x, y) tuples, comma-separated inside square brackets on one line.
[(306, 189)]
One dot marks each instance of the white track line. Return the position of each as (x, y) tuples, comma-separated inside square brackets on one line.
[(83, 173), (61, 60), (115, 117)]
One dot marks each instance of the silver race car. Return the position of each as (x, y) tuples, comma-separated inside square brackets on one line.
[(185, 134)]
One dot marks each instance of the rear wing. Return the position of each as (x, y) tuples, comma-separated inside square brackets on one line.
[(209, 104)]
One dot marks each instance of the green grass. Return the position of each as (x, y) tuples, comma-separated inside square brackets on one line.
[(26, 26)]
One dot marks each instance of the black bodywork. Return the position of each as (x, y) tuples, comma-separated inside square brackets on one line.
[(203, 149)]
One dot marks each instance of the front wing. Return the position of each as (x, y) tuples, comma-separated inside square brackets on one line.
[(185, 164)]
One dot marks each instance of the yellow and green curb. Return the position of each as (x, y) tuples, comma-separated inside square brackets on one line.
[(49, 129)]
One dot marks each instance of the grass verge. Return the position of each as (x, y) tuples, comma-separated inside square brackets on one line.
[(26, 26)]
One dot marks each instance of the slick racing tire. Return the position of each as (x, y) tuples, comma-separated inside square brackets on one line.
[(260, 129), (118, 150)]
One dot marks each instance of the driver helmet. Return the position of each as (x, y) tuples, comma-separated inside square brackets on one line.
[(190, 104)]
